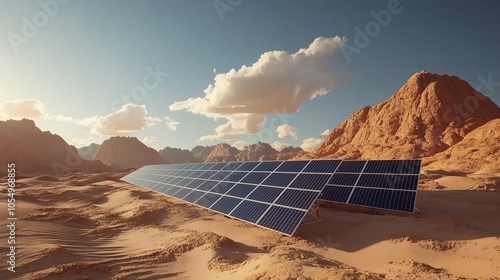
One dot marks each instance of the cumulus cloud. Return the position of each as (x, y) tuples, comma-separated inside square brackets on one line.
[(171, 123), (325, 133), (129, 118), (278, 146), (240, 145), (218, 137), (286, 131), (150, 141), (22, 108), (309, 144), (60, 118), (278, 82)]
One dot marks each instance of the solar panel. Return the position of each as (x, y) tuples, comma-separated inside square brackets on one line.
[(278, 194), (383, 184)]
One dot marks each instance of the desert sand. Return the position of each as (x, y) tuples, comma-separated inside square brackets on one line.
[(93, 226)]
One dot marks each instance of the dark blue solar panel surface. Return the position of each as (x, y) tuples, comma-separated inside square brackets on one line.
[(255, 178), (265, 194), (310, 181), (344, 179), (193, 196), (225, 204), (275, 219), (241, 190), (267, 166), (385, 181), (277, 194), (292, 166), (208, 199), (207, 185), (297, 198), (279, 179), (222, 187), (322, 166), (336, 193), (235, 176), (250, 211), (247, 166), (384, 199), (393, 166), (355, 166)]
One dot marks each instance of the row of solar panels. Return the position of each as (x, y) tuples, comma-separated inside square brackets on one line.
[(194, 179), (277, 196), (303, 166)]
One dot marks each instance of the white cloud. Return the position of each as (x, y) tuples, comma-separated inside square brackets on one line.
[(83, 122), (22, 108), (171, 123), (309, 144), (150, 141), (279, 146), (286, 131), (129, 118), (218, 137), (325, 133), (215, 70), (240, 145), (278, 82)]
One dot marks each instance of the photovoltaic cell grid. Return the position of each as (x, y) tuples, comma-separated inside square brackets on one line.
[(384, 184), (278, 194), (271, 194)]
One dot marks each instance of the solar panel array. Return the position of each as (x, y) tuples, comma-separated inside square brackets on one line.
[(383, 184), (278, 194)]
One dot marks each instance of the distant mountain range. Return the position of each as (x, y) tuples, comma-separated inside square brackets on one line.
[(32, 150), (439, 118), (129, 152)]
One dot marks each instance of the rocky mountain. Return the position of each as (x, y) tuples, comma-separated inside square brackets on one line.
[(33, 150), (255, 152), (175, 155), (89, 151), (202, 152), (286, 153), (426, 116), (222, 153), (126, 152), (478, 150)]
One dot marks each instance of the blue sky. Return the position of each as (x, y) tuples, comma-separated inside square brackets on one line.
[(87, 70)]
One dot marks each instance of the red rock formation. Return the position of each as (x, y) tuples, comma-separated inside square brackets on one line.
[(286, 154), (479, 150), (426, 116), (32, 150), (222, 153), (89, 151), (174, 155), (256, 151), (126, 152), (202, 152)]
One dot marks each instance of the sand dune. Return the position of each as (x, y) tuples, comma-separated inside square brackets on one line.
[(92, 226)]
